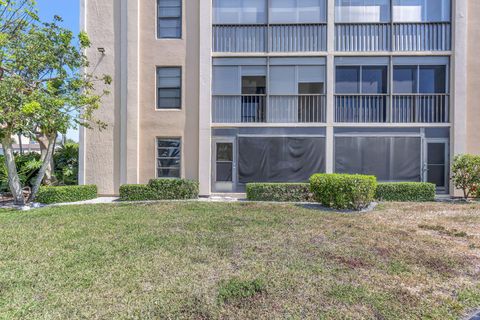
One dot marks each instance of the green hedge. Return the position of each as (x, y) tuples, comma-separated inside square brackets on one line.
[(49, 195), (343, 191), (281, 192), (406, 191), (136, 192), (160, 189)]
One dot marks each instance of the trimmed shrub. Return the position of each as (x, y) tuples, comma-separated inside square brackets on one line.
[(406, 191), (49, 195), (160, 189), (174, 189), (136, 192), (281, 192), (343, 191)]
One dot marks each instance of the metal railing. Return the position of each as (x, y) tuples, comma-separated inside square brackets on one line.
[(420, 108), (362, 37), (239, 38), (361, 108), (239, 108), (425, 36), (271, 38), (421, 36), (281, 109)]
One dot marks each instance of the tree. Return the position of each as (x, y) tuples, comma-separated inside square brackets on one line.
[(466, 174), (44, 91)]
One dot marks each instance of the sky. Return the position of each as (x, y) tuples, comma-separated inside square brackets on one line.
[(69, 10)]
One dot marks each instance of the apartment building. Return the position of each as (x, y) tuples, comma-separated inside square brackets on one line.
[(235, 91)]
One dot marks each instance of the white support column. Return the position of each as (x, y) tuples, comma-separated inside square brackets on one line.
[(205, 98), (459, 76), (330, 86), (458, 101), (82, 136), (129, 101)]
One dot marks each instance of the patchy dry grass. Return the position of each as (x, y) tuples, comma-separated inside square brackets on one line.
[(239, 261)]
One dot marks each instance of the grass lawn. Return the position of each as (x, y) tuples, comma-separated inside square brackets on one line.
[(239, 261)]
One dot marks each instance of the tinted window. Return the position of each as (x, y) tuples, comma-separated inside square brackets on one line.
[(374, 79), (405, 79), (347, 80), (432, 79), (362, 11), (421, 10), (168, 157), (169, 87), (169, 19)]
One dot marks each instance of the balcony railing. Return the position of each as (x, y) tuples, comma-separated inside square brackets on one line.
[(357, 108), (363, 37), (271, 38), (422, 36), (239, 38), (406, 108), (421, 108), (281, 109), (435, 36)]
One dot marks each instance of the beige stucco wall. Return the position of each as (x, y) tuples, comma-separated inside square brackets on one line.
[(101, 149), (126, 151), (168, 123), (473, 77)]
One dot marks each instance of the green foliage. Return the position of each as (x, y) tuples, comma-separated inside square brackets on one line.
[(235, 290), (406, 191), (343, 191), (44, 89), (281, 192), (466, 174), (66, 164), (49, 195), (137, 192), (160, 189), (27, 164)]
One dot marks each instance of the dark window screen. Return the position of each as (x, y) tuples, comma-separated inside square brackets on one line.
[(280, 159), (387, 158)]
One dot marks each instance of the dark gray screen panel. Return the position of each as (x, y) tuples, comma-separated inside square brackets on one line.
[(387, 158), (280, 159)]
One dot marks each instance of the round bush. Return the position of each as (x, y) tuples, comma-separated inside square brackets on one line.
[(343, 191)]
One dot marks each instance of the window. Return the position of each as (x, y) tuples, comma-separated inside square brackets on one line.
[(374, 80), (353, 11), (421, 10), (361, 79), (169, 88), (168, 157), (432, 79), (347, 80), (419, 79), (239, 12), (297, 11), (405, 79), (169, 19)]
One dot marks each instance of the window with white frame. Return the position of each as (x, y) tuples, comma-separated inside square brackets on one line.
[(169, 152), (169, 14), (169, 87)]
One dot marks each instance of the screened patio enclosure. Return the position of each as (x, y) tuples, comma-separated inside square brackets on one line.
[(244, 155)]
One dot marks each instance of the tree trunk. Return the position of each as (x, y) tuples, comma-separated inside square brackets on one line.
[(41, 173), (13, 178), (43, 141)]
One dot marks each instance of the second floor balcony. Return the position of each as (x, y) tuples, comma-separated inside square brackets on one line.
[(301, 108)]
